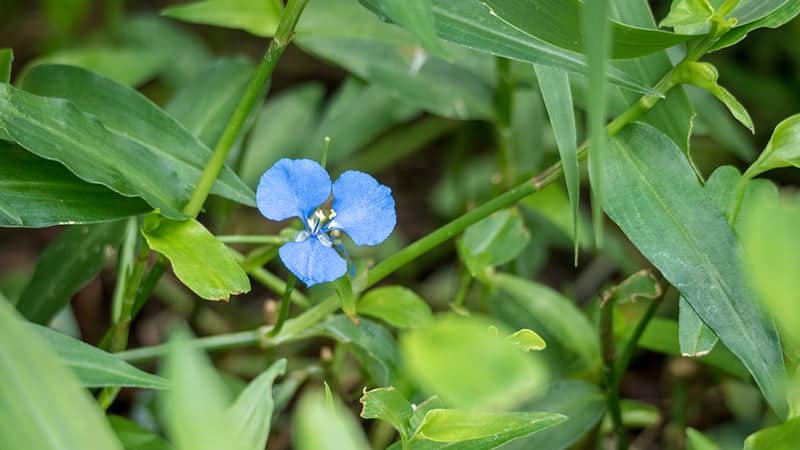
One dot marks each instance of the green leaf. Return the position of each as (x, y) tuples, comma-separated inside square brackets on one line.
[(6, 59), (168, 147), (715, 120), (453, 425), (74, 258), (318, 426), (414, 15), (656, 200), (635, 414), (194, 406), (688, 12), (94, 367), (771, 255), (749, 11), (557, 95), (782, 150), (527, 340), (469, 367), (204, 264), (555, 317), (396, 305), (781, 437), (252, 410), (127, 65), (493, 241), (389, 405), (697, 441), (776, 19), (582, 403), (205, 102), (275, 133), (696, 339), (35, 192), (705, 76), (134, 437), (558, 22), (258, 17), (371, 343), (40, 397)]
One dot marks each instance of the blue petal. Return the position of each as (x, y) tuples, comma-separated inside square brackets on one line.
[(364, 208), (311, 262), (292, 188)]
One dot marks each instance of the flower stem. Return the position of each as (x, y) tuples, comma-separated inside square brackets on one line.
[(255, 90), (251, 239), (283, 313)]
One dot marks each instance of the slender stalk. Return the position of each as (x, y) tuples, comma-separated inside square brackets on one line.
[(504, 104), (255, 90), (149, 283), (608, 350), (283, 313), (220, 342), (254, 239)]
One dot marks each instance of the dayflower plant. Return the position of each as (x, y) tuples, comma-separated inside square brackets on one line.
[(361, 207)]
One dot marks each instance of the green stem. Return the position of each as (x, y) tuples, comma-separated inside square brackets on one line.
[(255, 90), (251, 239), (269, 280), (283, 313), (149, 283), (504, 103), (608, 350), (464, 284), (211, 343)]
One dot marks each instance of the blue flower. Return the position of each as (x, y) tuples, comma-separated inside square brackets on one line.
[(362, 208)]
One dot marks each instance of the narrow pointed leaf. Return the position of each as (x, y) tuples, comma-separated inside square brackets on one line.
[(413, 15), (74, 258), (656, 200), (776, 19), (94, 367), (558, 22), (252, 410), (258, 17), (203, 263), (557, 95), (126, 112), (36, 192), (453, 425), (39, 397), (782, 150)]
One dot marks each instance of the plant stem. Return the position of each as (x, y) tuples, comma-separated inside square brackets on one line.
[(504, 104), (608, 350), (220, 342), (269, 280), (255, 90), (250, 239), (283, 313)]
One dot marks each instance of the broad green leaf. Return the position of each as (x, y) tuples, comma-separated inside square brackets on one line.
[(695, 440), (6, 59), (258, 17), (470, 367), (168, 147), (396, 305), (558, 22), (42, 406), (74, 258), (555, 89), (129, 66), (371, 343), (35, 192), (776, 19), (582, 403), (389, 405), (696, 339), (253, 409), (205, 102), (688, 13), (94, 367), (771, 255), (594, 21), (782, 150), (655, 198), (275, 133), (661, 336), (204, 264), (553, 316), (318, 426), (781, 437), (134, 437), (194, 406), (453, 425), (413, 15), (493, 241), (673, 115)]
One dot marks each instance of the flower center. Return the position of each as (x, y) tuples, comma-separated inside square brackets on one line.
[(318, 225)]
